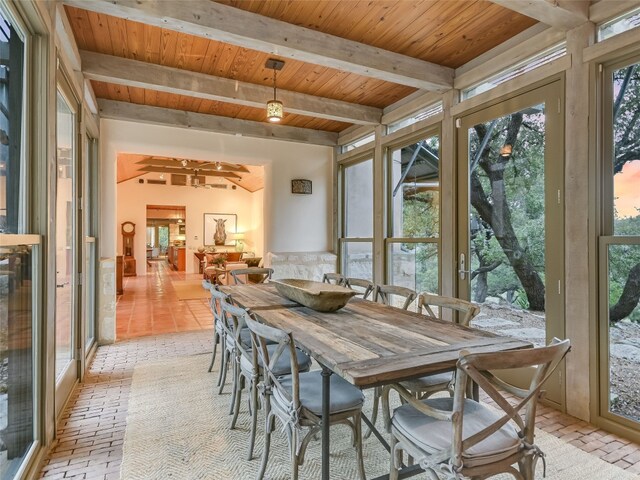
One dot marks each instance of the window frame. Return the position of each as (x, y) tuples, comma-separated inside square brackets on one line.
[(388, 241), (361, 157)]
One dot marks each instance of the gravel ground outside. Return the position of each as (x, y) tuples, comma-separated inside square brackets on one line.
[(624, 344)]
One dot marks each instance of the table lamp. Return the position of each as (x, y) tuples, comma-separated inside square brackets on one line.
[(239, 238)]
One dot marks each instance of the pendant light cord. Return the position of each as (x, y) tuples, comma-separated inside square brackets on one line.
[(274, 84)]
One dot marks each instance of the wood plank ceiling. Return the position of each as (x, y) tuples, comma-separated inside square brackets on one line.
[(449, 33), (132, 165)]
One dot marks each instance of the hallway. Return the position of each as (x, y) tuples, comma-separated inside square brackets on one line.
[(149, 305), (154, 325)]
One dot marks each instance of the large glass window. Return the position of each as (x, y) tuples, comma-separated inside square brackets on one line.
[(357, 220), (620, 245), (11, 103), (414, 215), (17, 302), (65, 245)]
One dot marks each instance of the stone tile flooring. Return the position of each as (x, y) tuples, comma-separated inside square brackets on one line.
[(91, 429)]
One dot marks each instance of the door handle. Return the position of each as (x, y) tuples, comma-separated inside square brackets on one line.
[(462, 272)]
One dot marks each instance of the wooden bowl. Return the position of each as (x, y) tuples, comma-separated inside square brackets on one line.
[(319, 296)]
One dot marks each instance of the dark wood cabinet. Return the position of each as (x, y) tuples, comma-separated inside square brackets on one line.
[(119, 274)]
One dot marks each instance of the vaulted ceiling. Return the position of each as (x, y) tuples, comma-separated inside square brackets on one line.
[(344, 60)]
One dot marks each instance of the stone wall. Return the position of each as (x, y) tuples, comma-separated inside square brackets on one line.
[(305, 265), (107, 301)]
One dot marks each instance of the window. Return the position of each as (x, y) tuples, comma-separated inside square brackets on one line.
[(618, 25), (358, 143), (527, 65), (357, 220), (423, 114), (620, 245), (18, 267), (414, 215)]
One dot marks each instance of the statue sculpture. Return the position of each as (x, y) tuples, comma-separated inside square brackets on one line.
[(220, 237)]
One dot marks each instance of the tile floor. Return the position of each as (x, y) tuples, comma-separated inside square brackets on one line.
[(152, 324), (149, 305)]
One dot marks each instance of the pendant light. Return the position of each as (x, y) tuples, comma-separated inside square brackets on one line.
[(275, 109)]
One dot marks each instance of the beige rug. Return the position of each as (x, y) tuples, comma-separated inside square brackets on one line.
[(177, 428), (190, 289)]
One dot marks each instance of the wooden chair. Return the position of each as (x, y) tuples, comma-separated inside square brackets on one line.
[(248, 372), (428, 385), (462, 438), (296, 399), (217, 326), (365, 285), (466, 310), (383, 294), (335, 278), (221, 335), (263, 274)]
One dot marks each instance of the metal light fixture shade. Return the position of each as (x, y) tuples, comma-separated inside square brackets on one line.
[(275, 110)]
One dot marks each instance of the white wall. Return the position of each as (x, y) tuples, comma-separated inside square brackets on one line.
[(133, 198), (291, 222)]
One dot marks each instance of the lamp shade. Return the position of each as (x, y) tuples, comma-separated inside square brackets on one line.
[(274, 110), (236, 236)]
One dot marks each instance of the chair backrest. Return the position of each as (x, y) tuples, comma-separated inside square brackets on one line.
[(261, 334), (334, 278), (265, 274), (236, 320), (217, 302), (477, 367), (365, 285), (466, 310), (383, 293)]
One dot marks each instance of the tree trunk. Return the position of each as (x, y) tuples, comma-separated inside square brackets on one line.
[(629, 298), (498, 214)]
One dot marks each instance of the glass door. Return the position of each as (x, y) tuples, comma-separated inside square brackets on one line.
[(66, 244), (619, 246), (510, 251)]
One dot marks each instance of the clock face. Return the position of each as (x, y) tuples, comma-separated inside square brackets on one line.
[(128, 227)]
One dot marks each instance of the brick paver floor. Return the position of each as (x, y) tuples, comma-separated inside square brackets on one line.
[(91, 429)]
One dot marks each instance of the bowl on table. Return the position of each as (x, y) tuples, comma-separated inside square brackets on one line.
[(319, 296)]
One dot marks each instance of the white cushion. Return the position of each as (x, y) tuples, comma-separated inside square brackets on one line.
[(432, 435), (343, 395)]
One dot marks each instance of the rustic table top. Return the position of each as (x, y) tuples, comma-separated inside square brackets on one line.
[(368, 343), (261, 296)]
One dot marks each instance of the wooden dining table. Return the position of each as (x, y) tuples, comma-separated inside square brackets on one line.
[(367, 343)]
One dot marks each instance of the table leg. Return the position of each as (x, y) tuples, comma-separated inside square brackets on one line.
[(326, 395)]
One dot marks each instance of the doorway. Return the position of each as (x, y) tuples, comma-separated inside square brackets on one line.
[(510, 218)]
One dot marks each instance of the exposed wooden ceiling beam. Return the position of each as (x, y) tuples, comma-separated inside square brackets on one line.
[(133, 73), (212, 123), (237, 27), (187, 171), (177, 163), (563, 14)]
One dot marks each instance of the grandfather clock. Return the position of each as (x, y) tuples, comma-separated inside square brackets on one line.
[(128, 230)]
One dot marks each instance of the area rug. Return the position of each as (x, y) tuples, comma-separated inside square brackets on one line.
[(178, 428), (190, 289)]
